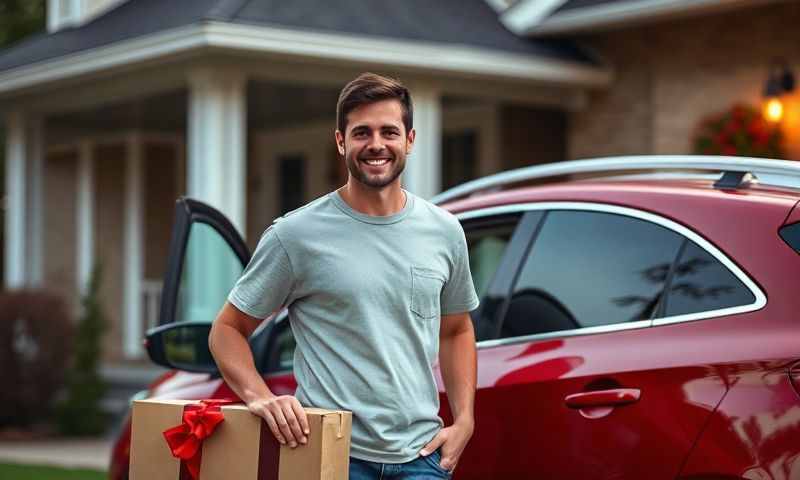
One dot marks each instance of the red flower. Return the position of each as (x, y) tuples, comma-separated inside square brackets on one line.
[(755, 128), (762, 138), (739, 130)]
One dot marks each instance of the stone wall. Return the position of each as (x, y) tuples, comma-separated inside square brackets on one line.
[(670, 75)]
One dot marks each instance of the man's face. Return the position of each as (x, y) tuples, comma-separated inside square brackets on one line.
[(375, 143)]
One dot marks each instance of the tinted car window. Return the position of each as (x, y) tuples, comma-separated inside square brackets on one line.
[(488, 240), (281, 353), (590, 268), (701, 283), (487, 244), (791, 235)]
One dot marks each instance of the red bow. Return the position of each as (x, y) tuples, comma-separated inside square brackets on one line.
[(186, 440)]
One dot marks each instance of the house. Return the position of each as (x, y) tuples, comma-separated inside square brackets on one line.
[(123, 105)]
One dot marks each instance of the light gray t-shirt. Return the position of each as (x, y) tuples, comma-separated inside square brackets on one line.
[(365, 294)]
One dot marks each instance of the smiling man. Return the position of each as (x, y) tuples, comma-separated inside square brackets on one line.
[(378, 287)]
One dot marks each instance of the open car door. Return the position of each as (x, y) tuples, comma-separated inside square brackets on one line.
[(207, 255)]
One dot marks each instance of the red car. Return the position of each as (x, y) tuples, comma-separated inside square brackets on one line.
[(632, 325)]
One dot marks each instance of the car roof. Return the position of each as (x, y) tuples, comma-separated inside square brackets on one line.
[(664, 196)]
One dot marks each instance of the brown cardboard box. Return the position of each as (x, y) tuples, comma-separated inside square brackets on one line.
[(242, 447)]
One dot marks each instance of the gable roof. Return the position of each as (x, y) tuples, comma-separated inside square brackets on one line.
[(445, 23), (573, 16)]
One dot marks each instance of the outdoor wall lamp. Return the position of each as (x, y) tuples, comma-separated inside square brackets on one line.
[(779, 82)]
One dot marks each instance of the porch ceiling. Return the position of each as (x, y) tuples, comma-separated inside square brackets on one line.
[(269, 105)]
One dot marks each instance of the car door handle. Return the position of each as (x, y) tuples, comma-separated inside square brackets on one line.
[(603, 398)]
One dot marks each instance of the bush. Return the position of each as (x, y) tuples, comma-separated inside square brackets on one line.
[(80, 413), (36, 333)]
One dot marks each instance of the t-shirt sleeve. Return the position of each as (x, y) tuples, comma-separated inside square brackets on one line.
[(458, 293), (268, 279)]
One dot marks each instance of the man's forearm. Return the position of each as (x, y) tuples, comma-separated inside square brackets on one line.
[(235, 361), (458, 364)]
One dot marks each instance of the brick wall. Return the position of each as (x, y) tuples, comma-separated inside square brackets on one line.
[(670, 75)]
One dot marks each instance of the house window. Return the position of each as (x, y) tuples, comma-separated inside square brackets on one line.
[(292, 181), (459, 157)]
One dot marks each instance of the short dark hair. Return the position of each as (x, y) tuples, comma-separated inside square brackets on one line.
[(370, 88)]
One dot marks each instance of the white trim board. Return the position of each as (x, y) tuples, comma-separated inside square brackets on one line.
[(528, 12), (293, 44), (617, 14)]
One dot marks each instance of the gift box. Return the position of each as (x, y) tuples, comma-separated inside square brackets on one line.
[(211, 440)]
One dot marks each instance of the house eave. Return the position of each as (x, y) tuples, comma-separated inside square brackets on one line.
[(429, 57), (616, 15)]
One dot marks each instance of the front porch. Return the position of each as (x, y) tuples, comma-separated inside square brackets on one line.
[(93, 177)]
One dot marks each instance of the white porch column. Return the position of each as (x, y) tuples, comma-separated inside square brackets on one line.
[(215, 175), (133, 247), (85, 203), (14, 248), (423, 173), (36, 149), (217, 142)]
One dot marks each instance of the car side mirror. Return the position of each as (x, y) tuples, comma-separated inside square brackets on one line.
[(183, 346)]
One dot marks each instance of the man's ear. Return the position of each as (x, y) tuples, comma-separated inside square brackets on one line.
[(339, 142), (410, 140)]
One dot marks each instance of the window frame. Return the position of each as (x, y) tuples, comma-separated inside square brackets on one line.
[(544, 207)]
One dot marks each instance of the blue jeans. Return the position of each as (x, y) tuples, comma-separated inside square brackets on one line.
[(423, 468)]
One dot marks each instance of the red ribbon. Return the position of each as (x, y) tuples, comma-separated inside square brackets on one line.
[(186, 440)]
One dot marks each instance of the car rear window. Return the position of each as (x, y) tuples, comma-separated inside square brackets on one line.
[(702, 284), (791, 235)]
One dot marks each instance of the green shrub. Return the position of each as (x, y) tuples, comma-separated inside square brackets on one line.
[(80, 412)]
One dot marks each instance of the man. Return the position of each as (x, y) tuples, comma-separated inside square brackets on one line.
[(377, 284)]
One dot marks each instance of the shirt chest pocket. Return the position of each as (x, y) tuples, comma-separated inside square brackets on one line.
[(426, 288)]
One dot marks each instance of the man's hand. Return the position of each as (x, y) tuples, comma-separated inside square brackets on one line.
[(285, 417), (452, 440)]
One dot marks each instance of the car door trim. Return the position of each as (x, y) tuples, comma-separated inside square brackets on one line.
[(759, 302)]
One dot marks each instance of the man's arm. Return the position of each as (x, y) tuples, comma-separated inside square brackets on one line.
[(228, 344), (458, 364)]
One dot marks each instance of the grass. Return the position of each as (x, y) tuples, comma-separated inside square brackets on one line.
[(29, 472)]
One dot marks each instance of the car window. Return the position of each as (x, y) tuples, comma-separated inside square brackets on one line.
[(587, 269), (488, 239), (791, 235), (210, 269), (702, 283), (281, 354), (487, 242)]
